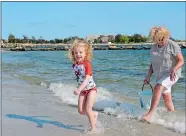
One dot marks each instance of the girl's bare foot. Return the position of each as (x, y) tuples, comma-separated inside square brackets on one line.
[(147, 117), (95, 116), (95, 119), (93, 131)]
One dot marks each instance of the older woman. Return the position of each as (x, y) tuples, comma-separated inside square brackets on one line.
[(166, 63)]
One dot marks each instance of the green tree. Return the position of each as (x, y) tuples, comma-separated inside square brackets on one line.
[(148, 39), (81, 39), (131, 39), (17, 40), (117, 38), (65, 40), (144, 39), (52, 41), (69, 39), (25, 39), (123, 39), (95, 40), (58, 40), (41, 40), (137, 38), (11, 38), (33, 39)]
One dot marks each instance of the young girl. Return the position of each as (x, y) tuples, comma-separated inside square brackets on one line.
[(81, 55)]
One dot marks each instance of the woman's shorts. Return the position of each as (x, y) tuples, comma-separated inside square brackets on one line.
[(167, 83), (86, 92)]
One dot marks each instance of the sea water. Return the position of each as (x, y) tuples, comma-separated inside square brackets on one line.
[(119, 76)]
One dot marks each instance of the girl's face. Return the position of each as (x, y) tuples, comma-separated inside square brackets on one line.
[(79, 54)]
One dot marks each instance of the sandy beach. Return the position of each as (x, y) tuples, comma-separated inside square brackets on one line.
[(33, 110), (38, 77)]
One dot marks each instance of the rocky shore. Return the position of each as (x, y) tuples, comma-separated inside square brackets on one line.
[(65, 47)]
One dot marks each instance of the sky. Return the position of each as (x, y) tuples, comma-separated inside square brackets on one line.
[(64, 19)]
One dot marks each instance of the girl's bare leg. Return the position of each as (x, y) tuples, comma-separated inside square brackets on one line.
[(92, 115), (82, 104)]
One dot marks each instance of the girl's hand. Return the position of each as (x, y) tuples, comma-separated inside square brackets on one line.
[(77, 92), (173, 75), (147, 80)]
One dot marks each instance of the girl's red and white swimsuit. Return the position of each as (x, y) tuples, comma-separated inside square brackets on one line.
[(81, 70)]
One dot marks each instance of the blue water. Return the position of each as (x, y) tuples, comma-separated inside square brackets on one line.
[(121, 72)]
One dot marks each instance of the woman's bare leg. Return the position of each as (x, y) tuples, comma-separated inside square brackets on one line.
[(155, 101), (168, 101)]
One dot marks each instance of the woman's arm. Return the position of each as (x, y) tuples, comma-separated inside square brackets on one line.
[(150, 71), (180, 61), (147, 78)]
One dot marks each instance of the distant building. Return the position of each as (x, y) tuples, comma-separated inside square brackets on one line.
[(107, 38), (2, 44), (103, 38), (90, 38), (111, 37)]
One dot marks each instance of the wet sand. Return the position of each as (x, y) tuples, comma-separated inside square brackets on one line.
[(32, 110)]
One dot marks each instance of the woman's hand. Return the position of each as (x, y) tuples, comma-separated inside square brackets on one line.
[(77, 92), (147, 80), (173, 75)]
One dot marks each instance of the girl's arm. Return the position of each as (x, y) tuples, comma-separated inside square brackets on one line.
[(83, 85), (88, 73)]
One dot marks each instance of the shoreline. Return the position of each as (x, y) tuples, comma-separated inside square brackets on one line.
[(65, 47), (50, 116), (93, 44)]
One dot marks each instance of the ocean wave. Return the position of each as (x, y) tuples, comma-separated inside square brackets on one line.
[(107, 104)]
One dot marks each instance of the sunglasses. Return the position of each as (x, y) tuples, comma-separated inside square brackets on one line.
[(160, 41)]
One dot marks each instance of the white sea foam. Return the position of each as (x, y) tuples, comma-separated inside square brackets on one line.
[(106, 103), (172, 120), (43, 84), (64, 92)]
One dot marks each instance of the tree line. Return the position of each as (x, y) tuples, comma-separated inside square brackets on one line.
[(136, 38), (40, 40)]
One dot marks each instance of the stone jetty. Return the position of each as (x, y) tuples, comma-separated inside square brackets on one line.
[(65, 47)]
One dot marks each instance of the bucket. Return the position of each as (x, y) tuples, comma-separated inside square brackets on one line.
[(145, 97)]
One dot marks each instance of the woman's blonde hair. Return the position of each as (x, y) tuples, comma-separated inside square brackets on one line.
[(82, 43), (158, 33)]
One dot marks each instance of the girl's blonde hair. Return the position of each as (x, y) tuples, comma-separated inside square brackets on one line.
[(82, 43), (158, 33)]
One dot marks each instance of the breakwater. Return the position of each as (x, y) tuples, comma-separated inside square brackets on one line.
[(65, 47)]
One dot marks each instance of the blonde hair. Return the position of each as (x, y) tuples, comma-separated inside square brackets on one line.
[(82, 43), (158, 33)]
